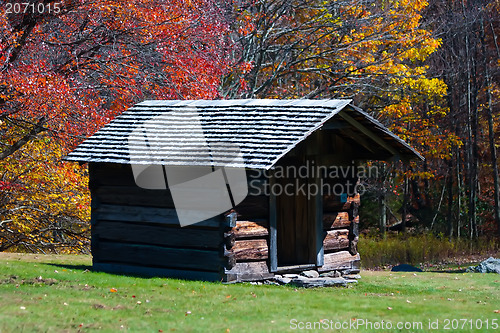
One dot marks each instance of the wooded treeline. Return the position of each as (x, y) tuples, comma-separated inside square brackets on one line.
[(468, 63), (428, 70)]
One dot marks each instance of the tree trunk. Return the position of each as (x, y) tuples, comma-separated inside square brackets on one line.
[(383, 214), (491, 133), (471, 130), (449, 188), (459, 194), (404, 212)]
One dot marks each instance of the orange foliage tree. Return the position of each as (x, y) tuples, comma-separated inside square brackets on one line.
[(67, 68), (374, 52)]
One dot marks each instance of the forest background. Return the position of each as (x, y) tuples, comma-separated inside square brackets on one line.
[(429, 70)]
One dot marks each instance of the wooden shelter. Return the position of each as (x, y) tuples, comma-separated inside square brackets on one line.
[(137, 230)]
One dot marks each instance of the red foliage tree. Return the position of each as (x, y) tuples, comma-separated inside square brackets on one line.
[(68, 67)]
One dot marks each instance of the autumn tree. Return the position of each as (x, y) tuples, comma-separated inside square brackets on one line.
[(468, 63), (67, 68), (371, 51), (320, 49)]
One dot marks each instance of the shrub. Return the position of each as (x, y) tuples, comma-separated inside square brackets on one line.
[(415, 249)]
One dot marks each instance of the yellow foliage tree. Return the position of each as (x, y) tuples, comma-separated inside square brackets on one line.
[(45, 202)]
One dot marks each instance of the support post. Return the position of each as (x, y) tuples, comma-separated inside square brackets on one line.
[(273, 242), (318, 207)]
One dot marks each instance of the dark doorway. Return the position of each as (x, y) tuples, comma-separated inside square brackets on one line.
[(295, 224)]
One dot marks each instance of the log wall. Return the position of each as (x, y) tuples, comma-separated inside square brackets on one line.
[(341, 230), (136, 231), (251, 234), (251, 246), (251, 251)]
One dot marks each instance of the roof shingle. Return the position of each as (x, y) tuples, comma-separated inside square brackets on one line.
[(173, 132)]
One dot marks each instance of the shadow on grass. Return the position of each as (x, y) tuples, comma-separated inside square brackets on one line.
[(457, 271), (75, 267), (89, 268)]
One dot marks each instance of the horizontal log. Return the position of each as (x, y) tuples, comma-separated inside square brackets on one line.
[(229, 259), (248, 229), (155, 272), (159, 234), (156, 256), (353, 237), (341, 260), (356, 267), (110, 174), (133, 196), (336, 240), (248, 271), (229, 239), (331, 203), (295, 268), (336, 220), (252, 249), (253, 207), (230, 219), (166, 216), (354, 211)]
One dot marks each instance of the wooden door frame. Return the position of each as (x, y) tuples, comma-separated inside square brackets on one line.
[(273, 221)]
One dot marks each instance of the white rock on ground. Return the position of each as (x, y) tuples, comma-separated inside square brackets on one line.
[(312, 274)]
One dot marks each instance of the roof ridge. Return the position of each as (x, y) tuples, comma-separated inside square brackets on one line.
[(253, 125)]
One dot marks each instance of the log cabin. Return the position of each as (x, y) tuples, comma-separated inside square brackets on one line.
[(136, 228)]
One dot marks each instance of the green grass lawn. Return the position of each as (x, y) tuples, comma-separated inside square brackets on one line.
[(59, 294)]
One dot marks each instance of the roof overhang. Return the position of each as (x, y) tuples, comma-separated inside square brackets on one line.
[(176, 132)]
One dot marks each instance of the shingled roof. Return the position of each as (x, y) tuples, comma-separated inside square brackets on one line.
[(263, 129)]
